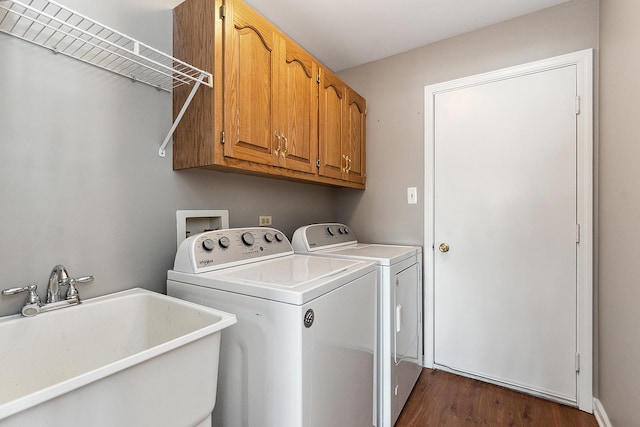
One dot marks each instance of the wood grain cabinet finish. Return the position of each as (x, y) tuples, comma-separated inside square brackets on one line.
[(298, 109), (356, 137), (341, 130), (332, 132), (265, 115), (250, 86)]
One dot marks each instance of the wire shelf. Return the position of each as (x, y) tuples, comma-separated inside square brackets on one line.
[(55, 27)]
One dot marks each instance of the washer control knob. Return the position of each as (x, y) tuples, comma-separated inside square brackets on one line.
[(279, 237), (248, 239), (331, 231), (208, 245), (268, 237), (224, 242)]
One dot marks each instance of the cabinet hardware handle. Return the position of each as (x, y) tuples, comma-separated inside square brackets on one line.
[(276, 152), (286, 145), (347, 163)]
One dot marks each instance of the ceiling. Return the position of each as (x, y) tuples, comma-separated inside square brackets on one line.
[(343, 34)]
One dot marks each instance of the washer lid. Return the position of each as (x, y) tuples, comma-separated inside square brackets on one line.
[(294, 279), (380, 254)]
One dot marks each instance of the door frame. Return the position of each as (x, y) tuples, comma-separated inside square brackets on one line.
[(583, 60)]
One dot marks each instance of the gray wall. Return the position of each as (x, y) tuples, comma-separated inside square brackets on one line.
[(619, 211), (81, 182), (394, 90)]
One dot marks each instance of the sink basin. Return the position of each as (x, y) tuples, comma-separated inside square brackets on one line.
[(133, 358)]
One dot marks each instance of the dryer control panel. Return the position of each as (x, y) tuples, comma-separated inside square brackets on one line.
[(322, 236), (213, 250)]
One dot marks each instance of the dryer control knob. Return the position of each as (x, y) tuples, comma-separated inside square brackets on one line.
[(279, 237), (248, 239), (224, 242), (331, 231), (268, 237)]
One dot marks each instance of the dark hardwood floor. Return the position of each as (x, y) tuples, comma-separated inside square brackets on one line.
[(443, 399)]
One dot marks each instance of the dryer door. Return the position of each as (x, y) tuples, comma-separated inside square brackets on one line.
[(406, 341), (406, 322)]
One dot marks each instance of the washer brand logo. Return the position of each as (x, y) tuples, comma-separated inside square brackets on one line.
[(205, 262), (308, 318)]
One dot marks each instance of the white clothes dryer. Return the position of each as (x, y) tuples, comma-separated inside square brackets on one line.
[(303, 350), (400, 298)]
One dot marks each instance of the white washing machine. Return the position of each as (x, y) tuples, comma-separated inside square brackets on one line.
[(400, 298), (303, 351)]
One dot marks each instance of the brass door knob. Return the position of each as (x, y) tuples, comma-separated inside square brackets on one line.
[(443, 247)]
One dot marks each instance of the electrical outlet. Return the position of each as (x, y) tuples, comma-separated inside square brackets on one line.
[(264, 220)]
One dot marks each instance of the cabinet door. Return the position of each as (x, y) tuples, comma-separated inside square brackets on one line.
[(356, 137), (298, 108), (331, 125), (250, 86)]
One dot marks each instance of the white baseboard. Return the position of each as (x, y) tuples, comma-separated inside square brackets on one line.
[(600, 414)]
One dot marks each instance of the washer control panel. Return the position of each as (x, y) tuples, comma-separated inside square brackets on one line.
[(322, 236), (213, 250)]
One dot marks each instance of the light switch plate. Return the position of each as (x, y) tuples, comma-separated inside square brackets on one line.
[(412, 195)]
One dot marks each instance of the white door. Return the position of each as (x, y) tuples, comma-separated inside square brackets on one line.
[(505, 231)]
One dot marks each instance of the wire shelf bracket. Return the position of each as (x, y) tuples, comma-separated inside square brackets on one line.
[(62, 30)]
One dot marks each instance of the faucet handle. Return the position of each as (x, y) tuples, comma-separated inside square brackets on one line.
[(32, 298), (72, 292)]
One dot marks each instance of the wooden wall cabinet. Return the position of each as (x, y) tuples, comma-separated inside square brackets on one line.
[(341, 130), (355, 145), (265, 114)]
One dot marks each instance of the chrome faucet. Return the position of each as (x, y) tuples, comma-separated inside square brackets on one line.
[(58, 277), (58, 274)]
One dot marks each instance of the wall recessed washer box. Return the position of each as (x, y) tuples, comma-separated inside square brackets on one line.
[(190, 222)]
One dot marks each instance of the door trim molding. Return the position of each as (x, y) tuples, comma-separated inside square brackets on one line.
[(583, 60)]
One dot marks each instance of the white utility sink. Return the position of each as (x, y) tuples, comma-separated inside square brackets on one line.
[(133, 358)]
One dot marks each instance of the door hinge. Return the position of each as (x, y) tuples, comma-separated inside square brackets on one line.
[(318, 78), (317, 163), (577, 233), (223, 12), (222, 137), (577, 105), (577, 362)]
